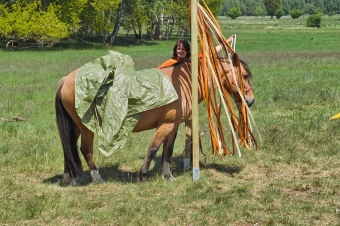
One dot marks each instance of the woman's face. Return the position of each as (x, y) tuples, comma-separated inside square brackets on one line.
[(181, 52)]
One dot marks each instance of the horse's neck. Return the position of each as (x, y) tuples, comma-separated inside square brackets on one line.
[(186, 82), (180, 76)]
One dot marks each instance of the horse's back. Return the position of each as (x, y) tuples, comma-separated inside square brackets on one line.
[(174, 112)]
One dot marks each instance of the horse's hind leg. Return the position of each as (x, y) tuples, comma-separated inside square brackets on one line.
[(66, 179), (161, 133), (86, 149)]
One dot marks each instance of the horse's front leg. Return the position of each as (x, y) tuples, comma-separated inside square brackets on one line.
[(161, 133), (244, 136), (167, 154), (87, 151)]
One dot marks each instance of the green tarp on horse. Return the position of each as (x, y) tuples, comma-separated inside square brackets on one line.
[(110, 94)]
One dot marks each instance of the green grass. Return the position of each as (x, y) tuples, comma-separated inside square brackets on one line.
[(292, 179)]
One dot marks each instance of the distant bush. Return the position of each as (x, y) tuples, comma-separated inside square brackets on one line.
[(295, 13), (314, 20), (233, 13), (279, 13), (319, 11)]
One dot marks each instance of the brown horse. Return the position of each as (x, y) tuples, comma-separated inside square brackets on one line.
[(164, 119)]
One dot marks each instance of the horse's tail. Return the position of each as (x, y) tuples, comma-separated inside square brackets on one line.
[(68, 136)]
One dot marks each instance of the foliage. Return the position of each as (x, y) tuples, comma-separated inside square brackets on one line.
[(259, 11), (233, 13), (319, 11), (29, 22), (69, 12), (214, 6), (158, 19), (295, 13), (288, 5), (314, 20), (154, 10), (174, 12), (279, 13), (331, 14), (272, 6), (135, 17), (98, 17), (248, 7)]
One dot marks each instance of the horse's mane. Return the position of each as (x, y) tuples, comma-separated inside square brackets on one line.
[(246, 67)]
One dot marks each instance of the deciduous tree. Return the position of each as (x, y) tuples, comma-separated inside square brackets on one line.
[(29, 22), (272, 6), (233, 13)]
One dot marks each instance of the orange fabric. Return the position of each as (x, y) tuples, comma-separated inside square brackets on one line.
[(171, 62), (167, 63)]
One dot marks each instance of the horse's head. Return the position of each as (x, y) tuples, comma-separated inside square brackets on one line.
[(231, 84)]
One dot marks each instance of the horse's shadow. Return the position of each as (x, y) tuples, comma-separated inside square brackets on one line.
[(114, 173), (229, 169)]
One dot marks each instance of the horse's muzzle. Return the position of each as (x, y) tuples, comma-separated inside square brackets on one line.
[(250, 102)]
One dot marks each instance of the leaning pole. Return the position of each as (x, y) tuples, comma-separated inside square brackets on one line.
[(194, 74)]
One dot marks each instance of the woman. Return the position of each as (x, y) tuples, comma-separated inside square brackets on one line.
[(181, 51)]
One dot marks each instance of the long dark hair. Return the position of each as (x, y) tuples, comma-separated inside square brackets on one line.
[(185, 44)]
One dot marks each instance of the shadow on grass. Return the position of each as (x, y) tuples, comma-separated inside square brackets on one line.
[(82, 44), (115, 174), (230, 169), (121, 41)]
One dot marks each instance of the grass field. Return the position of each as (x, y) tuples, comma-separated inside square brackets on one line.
[(292, 179)]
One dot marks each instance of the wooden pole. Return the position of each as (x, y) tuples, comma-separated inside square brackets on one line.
[(194, 74)]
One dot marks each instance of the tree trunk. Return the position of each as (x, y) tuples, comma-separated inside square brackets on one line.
[(117, 24), (168, 29)]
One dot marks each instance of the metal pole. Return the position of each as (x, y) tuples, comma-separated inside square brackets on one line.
[(194, 74)]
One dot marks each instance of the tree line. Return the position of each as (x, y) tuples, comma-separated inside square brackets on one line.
[(45, 22), (260, 7)]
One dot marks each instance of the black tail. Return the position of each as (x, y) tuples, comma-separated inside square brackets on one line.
[(68, 137)]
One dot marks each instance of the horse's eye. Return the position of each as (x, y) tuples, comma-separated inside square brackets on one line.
[(245, 77)]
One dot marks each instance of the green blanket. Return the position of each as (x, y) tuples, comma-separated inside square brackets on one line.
[(110, 95)]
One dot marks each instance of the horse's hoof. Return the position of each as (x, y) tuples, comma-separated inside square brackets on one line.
[(66, 180), (65, 183), (99, 181), (142, 179), (168, 177), (166, 172), (96, 177), (73, 182), (142, 175)]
